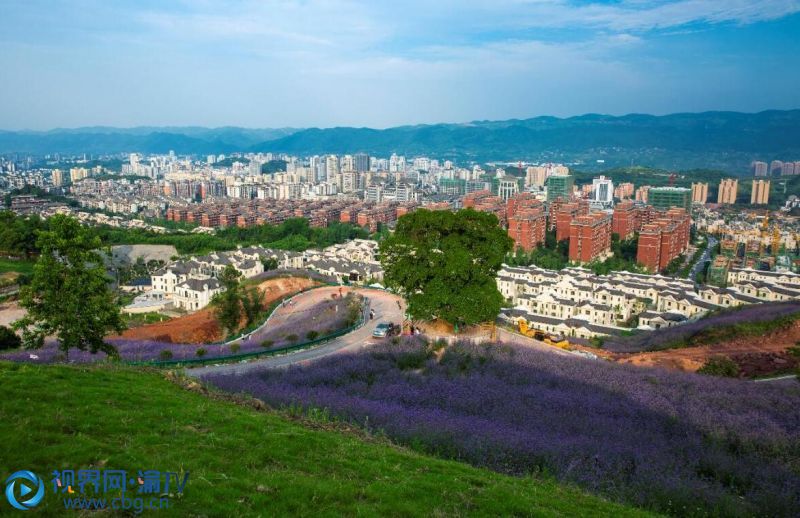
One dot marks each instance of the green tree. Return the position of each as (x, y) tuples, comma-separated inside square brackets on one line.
[(445, 264), (252, 303), (229, 303), (69, 295), (8, 339), (270, 263)]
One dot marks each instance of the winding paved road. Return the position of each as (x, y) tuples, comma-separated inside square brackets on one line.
[(386, 310), (706, 257)]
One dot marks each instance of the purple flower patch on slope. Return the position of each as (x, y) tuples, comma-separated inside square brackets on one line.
[(675, 442)]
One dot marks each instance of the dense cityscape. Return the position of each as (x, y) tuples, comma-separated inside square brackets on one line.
[(346, 258)]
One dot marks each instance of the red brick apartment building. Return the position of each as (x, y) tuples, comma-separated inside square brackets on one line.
[(527, 227), (320, 213), (566, 214), (485, 201), (630, 217), (522, 201), (664, 239), (590, 237)]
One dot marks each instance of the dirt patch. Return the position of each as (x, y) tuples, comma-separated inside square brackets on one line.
[(441, 329), (202, 326), (11, 311), (756, 356)]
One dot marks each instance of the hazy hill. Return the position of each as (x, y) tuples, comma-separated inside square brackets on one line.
[(712, 140)]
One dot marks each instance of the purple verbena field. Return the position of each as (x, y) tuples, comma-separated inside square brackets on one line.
[(650, 341), (325, 317), (678, 443), (322, 317)]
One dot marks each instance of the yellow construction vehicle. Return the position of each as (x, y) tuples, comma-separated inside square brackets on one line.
[(536, 334)]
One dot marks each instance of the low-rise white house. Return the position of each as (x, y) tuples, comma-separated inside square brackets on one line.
[(194, 294), (575, 302)]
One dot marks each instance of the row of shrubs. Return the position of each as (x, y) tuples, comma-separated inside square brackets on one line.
[(166, 354)]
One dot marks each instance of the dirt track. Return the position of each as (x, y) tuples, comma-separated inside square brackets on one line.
[(201, 326)]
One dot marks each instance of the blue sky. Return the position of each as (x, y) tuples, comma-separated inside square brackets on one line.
[(329, 63)]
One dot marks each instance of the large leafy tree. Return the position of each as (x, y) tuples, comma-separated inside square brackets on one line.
[(229, 302), (69, 296), (445, 264)]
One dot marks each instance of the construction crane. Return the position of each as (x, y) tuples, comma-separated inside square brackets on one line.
[(764, 233), (672, 178)]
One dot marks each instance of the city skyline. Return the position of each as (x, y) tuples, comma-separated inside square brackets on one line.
[(325, 64)]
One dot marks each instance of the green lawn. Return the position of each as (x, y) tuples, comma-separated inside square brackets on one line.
[(14, 265), (242, 461)]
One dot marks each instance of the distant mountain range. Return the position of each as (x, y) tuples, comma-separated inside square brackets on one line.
[(717, 140)]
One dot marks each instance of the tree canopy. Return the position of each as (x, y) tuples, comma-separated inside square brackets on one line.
[(69, 295), (445, 264), (236, 301)]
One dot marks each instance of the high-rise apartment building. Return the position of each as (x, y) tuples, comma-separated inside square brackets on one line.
[(590, 237), (485, 201), (789, 169), (728, 190), (347, 163), (642, 193), (760, 193), (629, 217), (775, 168), (664, 198), (759, 168), (526, 222), (565, 214), (57, 178), (536, 176), (602, 192), (77, 174), (624, 191), (699, 193), (397, 163), (560, 186), (361, 162), (331, 167), (664, 239)]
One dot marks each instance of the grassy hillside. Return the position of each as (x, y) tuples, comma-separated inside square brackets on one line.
[(240, 459)]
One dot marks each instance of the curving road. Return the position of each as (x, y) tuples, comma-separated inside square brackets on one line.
[(384, 304)]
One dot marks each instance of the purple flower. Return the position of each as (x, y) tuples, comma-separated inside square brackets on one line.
[(675, 442)]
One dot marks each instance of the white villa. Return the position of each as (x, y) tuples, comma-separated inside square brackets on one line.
[(575, 302)]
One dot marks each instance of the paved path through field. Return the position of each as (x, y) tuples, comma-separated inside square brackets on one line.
[(386, 310)]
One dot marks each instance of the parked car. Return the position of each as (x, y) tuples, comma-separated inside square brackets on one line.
[(385, 329)]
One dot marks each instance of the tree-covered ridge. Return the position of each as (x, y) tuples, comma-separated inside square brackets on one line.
[(18, 236), (719, 140)]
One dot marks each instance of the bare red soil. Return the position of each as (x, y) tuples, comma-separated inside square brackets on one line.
[(202, 326), (756, 356)]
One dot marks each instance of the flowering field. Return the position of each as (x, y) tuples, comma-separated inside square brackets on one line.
[(325, 317), (684, 334), (673, 442)]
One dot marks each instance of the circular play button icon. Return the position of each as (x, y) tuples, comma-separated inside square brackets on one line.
[(24, 490)]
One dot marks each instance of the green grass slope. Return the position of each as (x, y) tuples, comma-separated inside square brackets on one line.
[(241, 460)]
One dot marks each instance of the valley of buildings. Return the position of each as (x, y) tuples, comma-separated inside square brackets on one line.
[(756, 260)]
